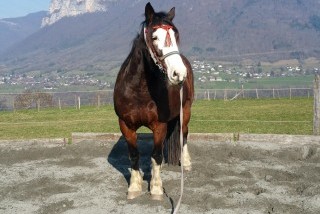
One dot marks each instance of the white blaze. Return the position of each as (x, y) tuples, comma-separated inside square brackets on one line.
[(176, 70)]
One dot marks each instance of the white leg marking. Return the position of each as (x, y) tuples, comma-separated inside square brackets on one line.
[(156, 183), (186, 158), (135, 187)]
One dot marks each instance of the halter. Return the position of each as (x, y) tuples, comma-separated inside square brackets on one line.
[(159, 60), (168, 41)]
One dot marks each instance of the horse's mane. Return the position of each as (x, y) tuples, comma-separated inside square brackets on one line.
[(138, 42)]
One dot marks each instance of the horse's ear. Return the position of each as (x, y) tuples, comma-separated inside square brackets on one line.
[(149, 12), (171, 14)]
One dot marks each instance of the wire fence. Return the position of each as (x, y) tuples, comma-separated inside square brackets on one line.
[(231, 94), (77, 99)]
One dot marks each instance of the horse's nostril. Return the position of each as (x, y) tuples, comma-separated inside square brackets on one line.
[(175, 74)]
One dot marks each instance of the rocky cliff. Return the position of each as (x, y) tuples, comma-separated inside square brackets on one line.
[(66, 8)]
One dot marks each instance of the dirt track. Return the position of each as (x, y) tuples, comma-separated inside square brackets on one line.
[(227, 177)]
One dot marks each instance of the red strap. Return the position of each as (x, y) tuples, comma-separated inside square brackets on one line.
[(166, 28)]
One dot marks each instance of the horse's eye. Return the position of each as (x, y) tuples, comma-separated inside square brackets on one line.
[(154, 38)]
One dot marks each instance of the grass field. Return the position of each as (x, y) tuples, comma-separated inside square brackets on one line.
[(277, 116)]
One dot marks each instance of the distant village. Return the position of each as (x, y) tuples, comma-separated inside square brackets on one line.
[(204, 72), (208, 72), (52, 82)]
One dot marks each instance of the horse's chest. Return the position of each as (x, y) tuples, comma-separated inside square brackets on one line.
[(147, 112), (141, 113), (143, 106)]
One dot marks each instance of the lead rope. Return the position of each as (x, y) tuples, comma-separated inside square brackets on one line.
[(176, 209)]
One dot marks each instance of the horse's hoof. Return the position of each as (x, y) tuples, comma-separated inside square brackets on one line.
[(187, 168), (133, 195), (157, 197)]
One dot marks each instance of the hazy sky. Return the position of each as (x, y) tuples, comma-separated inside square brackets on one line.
[(17, 8)]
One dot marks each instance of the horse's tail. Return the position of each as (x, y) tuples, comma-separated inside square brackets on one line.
[(172, 142)]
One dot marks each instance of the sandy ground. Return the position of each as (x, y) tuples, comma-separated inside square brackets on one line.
[(227, 177)]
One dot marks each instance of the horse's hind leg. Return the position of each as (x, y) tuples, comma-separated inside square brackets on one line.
[(135, 186), (159, 134), (187, 166)]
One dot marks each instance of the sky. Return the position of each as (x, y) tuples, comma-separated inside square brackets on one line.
[(18, 8)]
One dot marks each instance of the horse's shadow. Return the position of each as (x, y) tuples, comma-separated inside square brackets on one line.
[(119, 157)]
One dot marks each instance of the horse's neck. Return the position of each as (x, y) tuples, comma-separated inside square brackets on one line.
[(141, 67)]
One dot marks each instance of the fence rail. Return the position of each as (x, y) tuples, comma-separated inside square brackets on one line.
[(230, 94), (76, 99)]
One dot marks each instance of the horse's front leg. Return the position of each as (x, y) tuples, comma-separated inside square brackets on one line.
[(135, 186), (159, 134), (186, 159)]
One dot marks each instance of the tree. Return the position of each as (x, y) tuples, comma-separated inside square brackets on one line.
[(3, 105), (44, 99), (272, 74), (259, 68), (29, 99), (24, 100)]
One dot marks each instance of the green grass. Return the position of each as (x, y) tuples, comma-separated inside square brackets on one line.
[(262, 116), (277, 116), (281, 82)]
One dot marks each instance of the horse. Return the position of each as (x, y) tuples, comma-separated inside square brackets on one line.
[(147, 93)]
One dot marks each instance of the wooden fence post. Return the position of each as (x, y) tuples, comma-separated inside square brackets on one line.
[(242, 89), (316, 118), (13, 105), (59, 104), (38, 104), (290, 93), (98, 100), (273, 93)]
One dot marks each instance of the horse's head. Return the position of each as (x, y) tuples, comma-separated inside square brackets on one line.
[(162, 39)]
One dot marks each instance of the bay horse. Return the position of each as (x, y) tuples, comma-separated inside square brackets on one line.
[(146, 93)]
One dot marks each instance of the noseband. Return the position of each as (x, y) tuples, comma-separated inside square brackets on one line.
[(159, 60)]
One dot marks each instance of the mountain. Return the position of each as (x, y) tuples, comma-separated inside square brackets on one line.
[(13, 30), (219, 30), (66, 8)]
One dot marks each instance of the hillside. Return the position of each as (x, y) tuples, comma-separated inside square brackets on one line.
[(220, 30), (13, 30)]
